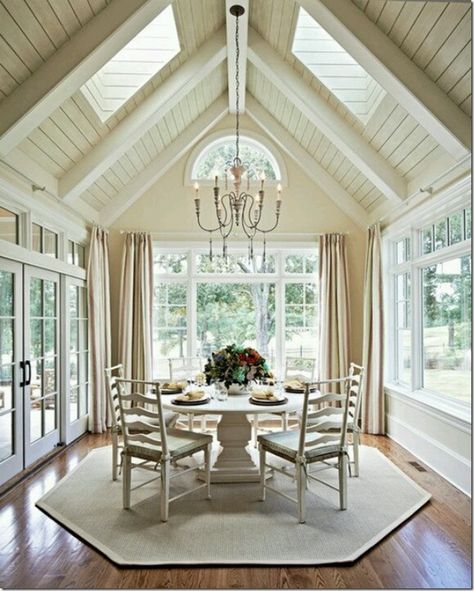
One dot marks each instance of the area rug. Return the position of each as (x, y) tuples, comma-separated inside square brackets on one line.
[(234, 527)]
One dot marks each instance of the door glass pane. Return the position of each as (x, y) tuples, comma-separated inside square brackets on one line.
[(73, 369), (83, 399), (49, 414), (6, 436), (8, 226), (6, 293), (49, 298), (73, 404), (73, 301), (36, 386), (36, 338), (301, 320), (49, 337), (447, 309), (6, 384), (36, 297), (50, 385), (36, 241), (6, 341), (50, 243), (35, 420)]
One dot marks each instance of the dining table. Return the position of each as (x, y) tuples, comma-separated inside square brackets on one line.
[(234, 462)]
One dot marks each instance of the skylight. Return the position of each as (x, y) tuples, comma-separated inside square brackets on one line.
[(145, 55), (335, 68)]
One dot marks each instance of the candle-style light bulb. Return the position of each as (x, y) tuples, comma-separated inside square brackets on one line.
[(279, 192), (262, 180), (196, 192)]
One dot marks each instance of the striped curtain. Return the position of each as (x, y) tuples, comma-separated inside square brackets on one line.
[(334, 314), (373, 401), (98, 284), (136, 306)]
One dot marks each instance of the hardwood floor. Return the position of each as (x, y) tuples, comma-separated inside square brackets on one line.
[(433, 549)]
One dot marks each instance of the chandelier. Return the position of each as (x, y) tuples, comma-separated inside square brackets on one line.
[(238, 208)]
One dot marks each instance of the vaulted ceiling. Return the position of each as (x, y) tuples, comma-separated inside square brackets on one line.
[(418, 52)]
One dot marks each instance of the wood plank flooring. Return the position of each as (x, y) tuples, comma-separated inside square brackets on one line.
[(433, 549)]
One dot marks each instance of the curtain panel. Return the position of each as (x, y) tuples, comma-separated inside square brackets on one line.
[(98, 283), (136, 307), (334, 311), (373, 402)]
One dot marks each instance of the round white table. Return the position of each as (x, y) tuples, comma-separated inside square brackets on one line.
[(234, 462)]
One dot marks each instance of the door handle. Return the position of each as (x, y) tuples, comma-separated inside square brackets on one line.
[(22, 381), (28, 379)]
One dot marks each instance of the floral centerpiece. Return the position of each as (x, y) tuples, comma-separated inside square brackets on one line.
[(236, 365)]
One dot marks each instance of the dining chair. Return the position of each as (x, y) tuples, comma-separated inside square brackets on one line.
[(310, 444), (302, 368), (149, 440), (356, 379), (111, 374), (186, 368)]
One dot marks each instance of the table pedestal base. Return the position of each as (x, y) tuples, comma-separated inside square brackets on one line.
[(234, 463)]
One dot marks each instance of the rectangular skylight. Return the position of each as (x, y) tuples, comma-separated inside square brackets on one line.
[(335, 68), (143, 57)]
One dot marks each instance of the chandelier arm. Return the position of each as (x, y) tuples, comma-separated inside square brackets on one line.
[(267, 230), (227, 212), (248, 226)]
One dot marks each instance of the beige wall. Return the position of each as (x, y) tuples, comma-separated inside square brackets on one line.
[(167, 210)]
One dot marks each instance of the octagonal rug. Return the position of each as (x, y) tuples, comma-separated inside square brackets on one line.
[(234, 527)]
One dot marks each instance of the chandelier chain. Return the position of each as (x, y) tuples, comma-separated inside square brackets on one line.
[(237, 88)]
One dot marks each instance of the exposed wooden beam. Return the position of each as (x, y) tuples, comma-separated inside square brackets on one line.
[(71, 66), (231, 49), (164, 161), (311, 167), (395, 72), (143, 117), (326, 119)]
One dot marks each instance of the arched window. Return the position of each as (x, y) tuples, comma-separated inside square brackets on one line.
[(216, 155)]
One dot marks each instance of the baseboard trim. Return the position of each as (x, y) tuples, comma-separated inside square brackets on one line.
[(447, 463)]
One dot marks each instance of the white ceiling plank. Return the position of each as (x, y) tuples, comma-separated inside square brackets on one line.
[(231, 49), (21, 162), (164, 161), (143, 118), (395, 72), (312, 168), (331, 123), (71, 66)]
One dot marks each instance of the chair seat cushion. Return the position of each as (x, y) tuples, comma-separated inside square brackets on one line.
[(285, 444), (180, 444)]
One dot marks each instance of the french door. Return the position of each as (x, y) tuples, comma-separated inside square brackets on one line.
[(44, 383), (41, 362)]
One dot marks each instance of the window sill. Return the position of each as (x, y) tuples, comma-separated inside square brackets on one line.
[(446, 410)]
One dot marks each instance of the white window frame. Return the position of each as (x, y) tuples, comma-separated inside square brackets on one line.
[(280, 278), (411, 226)]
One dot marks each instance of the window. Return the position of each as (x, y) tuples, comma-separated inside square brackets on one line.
[(44, 241), (8, 226), (215, 158), (201, 304), (133, 66), (431, 309), (336, 68), (78, 352), (76, 254)]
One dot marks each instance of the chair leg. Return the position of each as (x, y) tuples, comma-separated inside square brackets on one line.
[(355, 447), (255, 430), (262, 455), (343, 482), (165, 489), (301, 484), (207, 460), (126, 481), (115, 455)]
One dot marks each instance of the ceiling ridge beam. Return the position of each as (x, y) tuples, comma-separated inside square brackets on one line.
[(231, 51), (147, 114), (71, 66), (395, 72), (339, 132), (311, 167), (164, 161)]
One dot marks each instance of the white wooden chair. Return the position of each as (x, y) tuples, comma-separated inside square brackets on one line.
[(356, 379), (111, 374), (184, 369), (310, 444), (147, 438), (301, 368)]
